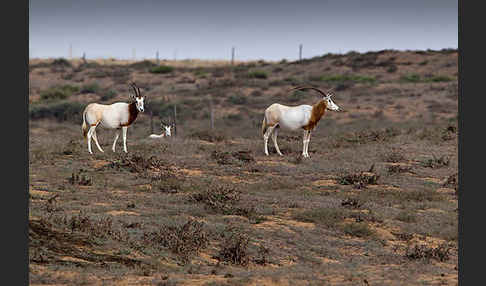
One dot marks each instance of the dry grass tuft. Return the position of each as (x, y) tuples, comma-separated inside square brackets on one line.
[(440, 253)]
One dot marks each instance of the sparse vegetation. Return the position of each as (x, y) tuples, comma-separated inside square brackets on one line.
[(406, 216), (61, 62), (58, 92), (328, 217), (376, 197), (394, 156), (90, 88), (108, 95), (344, 78), (417, 78), (358, 179), (258, 74), (411, 78), (237, 99), (162, 69), (393, 169), (234, 247), (452, 181), (436, 162), (185, 240), (60, 110), (440, 253), (358, 229)]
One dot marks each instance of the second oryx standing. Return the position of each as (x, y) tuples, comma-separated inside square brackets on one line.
[(295, 117), (118, 115)]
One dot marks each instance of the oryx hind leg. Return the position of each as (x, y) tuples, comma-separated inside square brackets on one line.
[(89, 135), (96, 141), (274, 138), (117, 134), (267, 134)]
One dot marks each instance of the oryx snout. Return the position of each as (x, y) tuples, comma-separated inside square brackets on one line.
[(331, 105)]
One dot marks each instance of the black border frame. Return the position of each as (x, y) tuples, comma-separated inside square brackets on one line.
[(15, 210)]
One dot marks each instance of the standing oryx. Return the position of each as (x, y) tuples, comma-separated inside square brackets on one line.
[(118, 115), (295, 117)]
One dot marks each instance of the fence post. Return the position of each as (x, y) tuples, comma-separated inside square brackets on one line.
[(211, 112), (175, 120), (300, 52), (151, 121), (232, 55), (157, 57)]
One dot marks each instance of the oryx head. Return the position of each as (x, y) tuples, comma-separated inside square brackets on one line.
[(325, 96), (167, 128), (330, 104), (139, 99)]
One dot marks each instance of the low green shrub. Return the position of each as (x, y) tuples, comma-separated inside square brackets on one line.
[(258, 74), (58, 92), (60, 110), (162, 69)]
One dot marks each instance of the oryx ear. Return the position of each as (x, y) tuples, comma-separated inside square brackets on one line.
[(329, 92)]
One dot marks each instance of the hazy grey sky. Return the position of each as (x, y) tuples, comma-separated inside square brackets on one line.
[(270, 30)]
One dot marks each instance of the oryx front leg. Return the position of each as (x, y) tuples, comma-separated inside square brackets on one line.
[(96, 141), (274, 138), (265, 138), (116, 138), (305, 142), (124, 130)]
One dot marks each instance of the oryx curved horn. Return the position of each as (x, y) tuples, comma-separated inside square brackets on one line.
[(313, 88), (132, 85)]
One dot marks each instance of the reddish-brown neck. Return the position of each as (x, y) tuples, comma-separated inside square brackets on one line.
[(318, 111), (132, 114)]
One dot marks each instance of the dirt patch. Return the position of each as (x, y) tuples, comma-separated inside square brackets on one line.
[(325, 183), (100, 163), (40, 193), (192, 172), (275, 223), (383, 233), (447, 191), (118, 213), (432, 180)]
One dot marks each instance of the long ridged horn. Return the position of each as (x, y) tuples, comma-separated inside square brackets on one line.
[(313, 88), (132, 85)]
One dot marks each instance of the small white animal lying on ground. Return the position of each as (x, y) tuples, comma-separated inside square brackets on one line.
[(167, 132)]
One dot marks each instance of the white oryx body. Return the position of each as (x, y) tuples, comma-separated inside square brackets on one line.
[(167, 132), (295, 117), (290, 117), (109, 116), (118, 115)]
